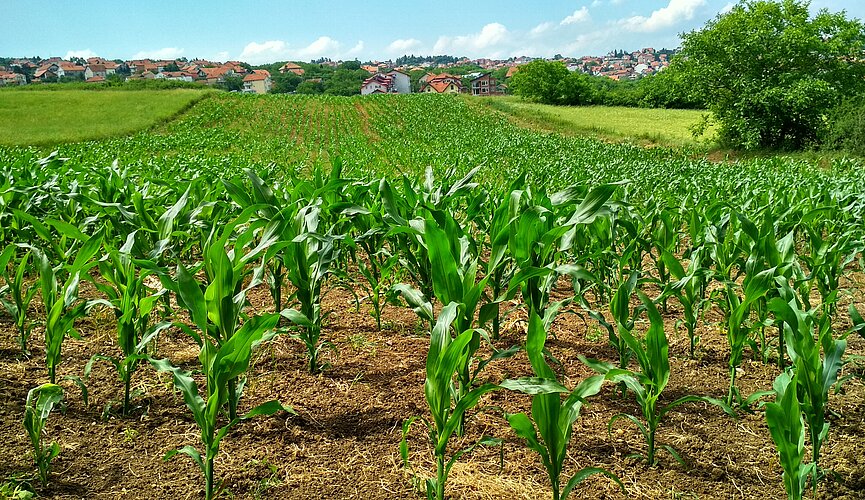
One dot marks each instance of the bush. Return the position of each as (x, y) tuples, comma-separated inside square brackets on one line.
[(846, 127)]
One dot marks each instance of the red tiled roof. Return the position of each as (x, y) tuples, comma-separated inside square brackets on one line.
[(256, 77)]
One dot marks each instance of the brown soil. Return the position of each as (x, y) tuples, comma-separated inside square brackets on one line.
[(344, 442)]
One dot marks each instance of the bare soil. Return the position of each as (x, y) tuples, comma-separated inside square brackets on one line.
[(344, 442)]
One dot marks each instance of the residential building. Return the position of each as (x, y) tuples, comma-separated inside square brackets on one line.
[(378, 84), (95, 69), (401, 81), (257, 82), (291, 67), (10, 78), (441, 84), (485, 85)]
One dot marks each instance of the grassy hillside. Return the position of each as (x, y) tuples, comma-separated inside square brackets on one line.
[(45, 118), (665, 127)]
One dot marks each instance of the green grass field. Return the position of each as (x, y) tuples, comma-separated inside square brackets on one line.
[(46, 118), (665, 127)]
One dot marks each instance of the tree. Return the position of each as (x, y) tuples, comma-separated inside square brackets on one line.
[(231, 83), (539, 81), (172, 66), (284, 83), (770, 72)]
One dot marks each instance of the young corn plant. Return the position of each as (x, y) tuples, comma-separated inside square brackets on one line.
[(40, 402), (815, 373), (784, 419), (62, 306), (220, 364), (379, 264), (309, 257), (648, 384), (686, 291), (540, 233), (446, 355), (132, 302), (548, 432), (216, 307), (624, 319), (454, 268), (739, 328), (20, 294)]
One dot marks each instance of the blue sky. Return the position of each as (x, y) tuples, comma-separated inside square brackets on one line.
[(261, 31)]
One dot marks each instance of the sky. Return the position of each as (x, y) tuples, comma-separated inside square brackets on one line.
[(264, 31)]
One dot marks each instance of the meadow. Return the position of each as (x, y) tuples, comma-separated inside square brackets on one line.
[(401, 296), (644, 126), (52, 117)]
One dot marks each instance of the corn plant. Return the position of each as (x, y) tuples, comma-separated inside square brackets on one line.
[(665, 239), (62, 306), (784, 419), (378, 266), (648, 384), (815, 374), (217, 307), (40, 402), (826, 261), (308, 258), (543, 229), (21, 294), (454, 266), (548, 432), (446, 355), (220, 364), (307, 224), (132, 302), (737, 311), (405, 215), (686, 291)]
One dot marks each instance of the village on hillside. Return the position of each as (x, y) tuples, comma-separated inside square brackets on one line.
[(440, 74)]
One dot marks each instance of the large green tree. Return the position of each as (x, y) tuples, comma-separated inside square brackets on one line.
[(770, 71)]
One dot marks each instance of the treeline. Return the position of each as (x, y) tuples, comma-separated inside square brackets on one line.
[(550, 82), (772, 75), (318, 78)]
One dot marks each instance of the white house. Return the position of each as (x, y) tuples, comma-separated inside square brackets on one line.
[(401, 81)]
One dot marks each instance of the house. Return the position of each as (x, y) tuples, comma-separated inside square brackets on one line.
[(401, 81), (370, 68), (378, 84), (485, 85), (10, 78), (95, 79), (95, 69), (290, 67), (511, 71), (177, 75), (441, 84), (217, 75), (50, 71), (71, 70), (257, 82)]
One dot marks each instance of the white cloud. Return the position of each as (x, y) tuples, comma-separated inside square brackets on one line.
[(403, 46), (83, 54), (222, 56), (482, 44), (727, 8), (541, 29), (356, 50), (578, 16), (278, 50), (164, 53), (597, 3), (675, 12)]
